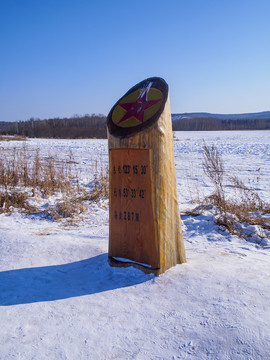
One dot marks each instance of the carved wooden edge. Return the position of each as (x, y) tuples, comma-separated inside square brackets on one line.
[(147, 270), (154, 201)]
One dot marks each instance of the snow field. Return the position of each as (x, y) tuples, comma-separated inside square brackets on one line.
[(59, 299)]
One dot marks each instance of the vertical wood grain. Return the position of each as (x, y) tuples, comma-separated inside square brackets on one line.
[(166, 215)]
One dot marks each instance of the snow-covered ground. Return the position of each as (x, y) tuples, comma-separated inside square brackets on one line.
[(59, 299)]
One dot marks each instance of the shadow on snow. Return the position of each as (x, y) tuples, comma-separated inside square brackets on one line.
[(86, 277)]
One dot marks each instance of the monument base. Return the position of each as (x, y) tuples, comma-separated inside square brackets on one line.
[(126, 263)]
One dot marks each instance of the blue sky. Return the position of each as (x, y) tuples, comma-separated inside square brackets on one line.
[(62, 57)]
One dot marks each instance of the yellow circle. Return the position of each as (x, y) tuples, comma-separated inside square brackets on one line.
[(132, 121)]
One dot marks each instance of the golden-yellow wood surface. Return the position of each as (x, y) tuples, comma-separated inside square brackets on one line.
[(168, 232)]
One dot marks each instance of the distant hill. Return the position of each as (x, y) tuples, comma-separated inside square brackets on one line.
[(207, 121), (251, 116)]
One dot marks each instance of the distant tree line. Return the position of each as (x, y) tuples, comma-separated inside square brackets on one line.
[(87, 126), (94, 126), (204, 124), (4, 126)]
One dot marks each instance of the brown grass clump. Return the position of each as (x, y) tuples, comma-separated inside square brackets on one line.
[(20, 170), (67, 208), (237, 213), (15, 199), (99, 188), (44, 177)]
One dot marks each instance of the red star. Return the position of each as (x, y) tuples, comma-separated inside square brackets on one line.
[(137, 108)]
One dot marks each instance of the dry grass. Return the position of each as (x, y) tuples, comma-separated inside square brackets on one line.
[(236, 213), (24, 178), (67, 208), (20, 170), (14, 199), (99, 187), (12, 138)]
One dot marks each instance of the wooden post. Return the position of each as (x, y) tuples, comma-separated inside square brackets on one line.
[(145, 225)]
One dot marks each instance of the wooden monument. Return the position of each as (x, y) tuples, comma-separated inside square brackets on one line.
[(145, 225)]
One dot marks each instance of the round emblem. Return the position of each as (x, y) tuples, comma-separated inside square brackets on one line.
[(139, 108)]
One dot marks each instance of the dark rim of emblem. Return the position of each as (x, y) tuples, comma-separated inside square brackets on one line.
[(154, 82)]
